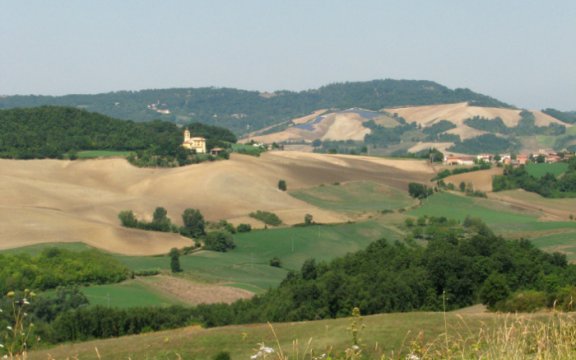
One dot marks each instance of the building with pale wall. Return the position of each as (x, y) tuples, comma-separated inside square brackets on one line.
[(197, 143)]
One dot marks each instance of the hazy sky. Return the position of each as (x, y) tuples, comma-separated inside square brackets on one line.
[(519, 51)]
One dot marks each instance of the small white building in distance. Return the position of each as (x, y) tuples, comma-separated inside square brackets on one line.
[(198, 144)]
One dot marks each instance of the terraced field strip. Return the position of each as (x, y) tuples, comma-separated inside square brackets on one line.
[(564, 242), (91, 154), (539, 170), (355, 196), (127, 294)]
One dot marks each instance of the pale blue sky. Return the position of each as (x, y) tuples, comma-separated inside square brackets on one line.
[(519, 51)]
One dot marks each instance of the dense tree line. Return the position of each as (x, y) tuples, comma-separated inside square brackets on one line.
[(243, 111), (435, 132), (56, 132), (495, 125), (103, 322), (267, 217), (567, 117), (419, 191), (192, 220), (66, 315), (54, 267), (547, 186), (381, 136), (483, 143), (525, 127), (216, 236), (461, 170), (566, 143), (459, 262), (349, 147)]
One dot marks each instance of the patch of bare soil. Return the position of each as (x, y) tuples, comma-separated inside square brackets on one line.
[(334, 126), (196, 293), (480, 180), (428, 145), (457, 113), (307, 118)]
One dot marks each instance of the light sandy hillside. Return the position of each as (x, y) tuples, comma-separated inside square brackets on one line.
[(62, 201), (349, 124), (480, 180), (344, 125), (457, 113)]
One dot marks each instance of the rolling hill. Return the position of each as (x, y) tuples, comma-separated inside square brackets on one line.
[(416, 128), (244, 111), (47, 201)]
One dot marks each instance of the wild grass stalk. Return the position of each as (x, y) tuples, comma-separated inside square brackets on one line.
[(550, 336)]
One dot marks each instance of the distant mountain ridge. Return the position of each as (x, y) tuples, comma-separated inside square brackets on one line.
[(244, 111)]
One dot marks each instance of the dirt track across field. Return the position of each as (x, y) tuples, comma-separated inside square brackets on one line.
[(195, 293)]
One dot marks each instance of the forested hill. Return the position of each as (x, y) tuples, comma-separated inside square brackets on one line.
[(55, 132), (242, 110)]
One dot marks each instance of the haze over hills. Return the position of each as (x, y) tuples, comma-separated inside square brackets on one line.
[(390, 117), (243, 111), (458, 128)]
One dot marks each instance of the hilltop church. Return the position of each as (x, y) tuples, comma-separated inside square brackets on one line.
[(198, 144)]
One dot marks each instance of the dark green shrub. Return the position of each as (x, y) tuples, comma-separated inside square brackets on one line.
[(242, 228), (219, 241), (275, 262), (266, 217)]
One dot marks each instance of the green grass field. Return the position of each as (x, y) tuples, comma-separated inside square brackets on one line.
[(500, 217), (458, 207), (323, 242), (356, 196), (504, 220), (247, 149), (539, 170), (91, 154), (546, 141), (248, 267), (128, 294), (564, 242), (38, 248)]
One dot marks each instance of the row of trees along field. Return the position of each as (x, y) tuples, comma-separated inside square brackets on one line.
[(525, 127), (549, 185), (58, 132), (55, 267), (216, 236)]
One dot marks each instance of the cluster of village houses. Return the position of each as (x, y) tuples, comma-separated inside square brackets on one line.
[(198, 145), (507, 159)]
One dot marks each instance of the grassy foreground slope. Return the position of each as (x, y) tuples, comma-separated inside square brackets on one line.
[(429, 335)]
